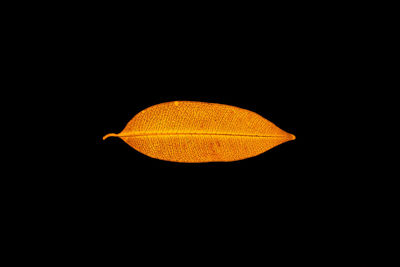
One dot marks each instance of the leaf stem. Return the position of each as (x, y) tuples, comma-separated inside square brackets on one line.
[(108, 135)]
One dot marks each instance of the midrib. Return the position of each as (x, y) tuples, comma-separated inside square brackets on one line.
[(201, 134)]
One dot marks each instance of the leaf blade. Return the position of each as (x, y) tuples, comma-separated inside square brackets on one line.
[(188, 131)]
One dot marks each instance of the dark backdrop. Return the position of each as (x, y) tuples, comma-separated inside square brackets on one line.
[(274, 196), (273, 64)]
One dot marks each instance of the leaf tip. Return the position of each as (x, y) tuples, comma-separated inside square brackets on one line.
[(109, 135)]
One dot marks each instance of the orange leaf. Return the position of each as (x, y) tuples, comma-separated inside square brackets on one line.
[(188, 131)]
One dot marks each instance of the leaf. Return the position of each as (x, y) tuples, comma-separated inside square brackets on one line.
[(188, 131)]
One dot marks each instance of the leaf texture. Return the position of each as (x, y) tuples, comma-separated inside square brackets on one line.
[(189, 131)]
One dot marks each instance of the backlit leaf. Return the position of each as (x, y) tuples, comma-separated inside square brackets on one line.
[(189, 131)]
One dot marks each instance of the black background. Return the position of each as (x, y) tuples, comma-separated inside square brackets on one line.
[(269, 202), (282, 63)]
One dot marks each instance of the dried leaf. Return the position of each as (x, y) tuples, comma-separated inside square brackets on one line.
[(188, 131)]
